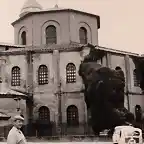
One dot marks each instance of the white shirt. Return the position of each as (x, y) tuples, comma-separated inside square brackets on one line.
[(16, 136)]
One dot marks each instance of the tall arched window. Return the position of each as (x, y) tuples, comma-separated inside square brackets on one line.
[(136, 81), (72, 115), (51, 36), (42, 75), (23, 38), (83, 35), (15, 73), (70, 73), (44, 113)]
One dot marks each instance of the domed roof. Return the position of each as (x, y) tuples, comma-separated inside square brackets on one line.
[(30, 6)]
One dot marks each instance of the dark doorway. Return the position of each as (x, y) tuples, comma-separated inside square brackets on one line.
[(44, 125), (138, 113)]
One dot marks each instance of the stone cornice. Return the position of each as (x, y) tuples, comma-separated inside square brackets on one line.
[(57, 11), (62, 48), (43, 49)]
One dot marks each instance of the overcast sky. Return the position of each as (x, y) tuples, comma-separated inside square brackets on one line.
[(122, 21)]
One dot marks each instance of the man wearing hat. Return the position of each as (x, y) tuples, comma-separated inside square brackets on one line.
[(15, 135)]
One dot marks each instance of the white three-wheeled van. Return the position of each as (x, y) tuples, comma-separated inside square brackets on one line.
[(127, 135)]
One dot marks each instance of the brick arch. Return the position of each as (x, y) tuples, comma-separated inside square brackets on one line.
[(22, 29), (58, 30), (36, 110), (88, 29)]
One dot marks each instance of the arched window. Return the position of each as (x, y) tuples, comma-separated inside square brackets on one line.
[(15, 73), (72, 115), (23, 38), (83, 35), (51, 36), (42, 75), (136, 81), (44, 113), (70, 73)]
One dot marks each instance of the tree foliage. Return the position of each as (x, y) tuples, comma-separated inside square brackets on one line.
[(104, 94)]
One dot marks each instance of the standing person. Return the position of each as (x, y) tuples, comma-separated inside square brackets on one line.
[(15, 135)]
